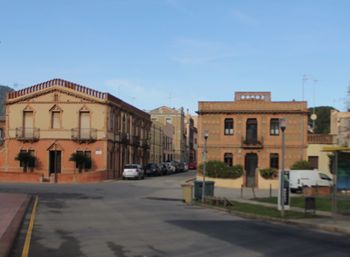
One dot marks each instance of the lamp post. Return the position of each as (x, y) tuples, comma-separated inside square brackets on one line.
[(283, 125), (204, 162)]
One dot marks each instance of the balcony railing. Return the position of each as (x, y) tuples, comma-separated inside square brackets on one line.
[(122, 138), (146, 144), (135, 141), (27, 134), (253, 143), (84, 134), (319, 139)]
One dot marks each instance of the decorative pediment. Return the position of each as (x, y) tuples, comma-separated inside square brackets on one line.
[(84, 109), (55, 147), (55, 108), (28, 108)]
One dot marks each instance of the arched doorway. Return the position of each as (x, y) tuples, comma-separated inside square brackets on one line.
[(251, 163)]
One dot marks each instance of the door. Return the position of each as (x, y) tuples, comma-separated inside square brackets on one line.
[(84, 125), (252, 131), (28, 124), (55, 162), (251, 163)]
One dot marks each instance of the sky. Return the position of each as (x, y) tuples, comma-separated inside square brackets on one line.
[(178, 52)]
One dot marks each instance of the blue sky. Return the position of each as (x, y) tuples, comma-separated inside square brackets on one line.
[(177, 52)]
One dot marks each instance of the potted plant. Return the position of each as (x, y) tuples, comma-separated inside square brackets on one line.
[(80, 159), (26, 160)]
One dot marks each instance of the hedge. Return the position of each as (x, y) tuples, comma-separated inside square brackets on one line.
[(219, 169)]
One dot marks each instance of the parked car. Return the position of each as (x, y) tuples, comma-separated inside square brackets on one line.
[(185, 166), (152, 169), (307, 178), (133, 171), (192, 166), (170, 166), (180, 167), (163, 169)]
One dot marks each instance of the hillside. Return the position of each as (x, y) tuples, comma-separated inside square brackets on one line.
[(322, 123), (3, 91)]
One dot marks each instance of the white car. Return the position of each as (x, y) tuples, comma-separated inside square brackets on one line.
[(307, 178), (133, 171)]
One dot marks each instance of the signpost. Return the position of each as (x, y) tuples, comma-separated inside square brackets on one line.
[(285, 194)]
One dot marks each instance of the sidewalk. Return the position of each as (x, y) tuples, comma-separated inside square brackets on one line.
[(12, 210), (328, 223)]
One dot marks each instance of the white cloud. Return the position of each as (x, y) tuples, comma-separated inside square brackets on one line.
[(135, 93), (194, 51), (244, 18)]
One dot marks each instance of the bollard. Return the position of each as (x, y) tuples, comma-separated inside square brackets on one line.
[(270, 192), (242, 191)]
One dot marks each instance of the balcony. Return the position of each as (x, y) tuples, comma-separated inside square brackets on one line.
[(253, 143), (122, 138), (146, 144), (84, 135), (135, 141), (27, 134)]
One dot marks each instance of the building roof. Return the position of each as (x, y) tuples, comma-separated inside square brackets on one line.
[(166, 110), (64, 84)]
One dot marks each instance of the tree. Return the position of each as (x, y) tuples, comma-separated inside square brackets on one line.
[(81, 160), (322, 123), (301, 165), (26, 160)]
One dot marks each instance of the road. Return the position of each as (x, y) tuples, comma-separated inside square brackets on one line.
[(147, 219)]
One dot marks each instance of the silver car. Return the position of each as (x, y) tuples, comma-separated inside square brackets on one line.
[(133, 171)]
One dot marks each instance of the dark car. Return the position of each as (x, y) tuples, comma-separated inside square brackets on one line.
[(152, 169), (192, 166)]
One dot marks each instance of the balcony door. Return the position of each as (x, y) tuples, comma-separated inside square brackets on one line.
[(28, 124), (252, 131), (84, 125)]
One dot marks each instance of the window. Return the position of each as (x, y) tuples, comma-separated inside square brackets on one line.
[(228, 127), (2, 135), (228, 159), (55, 120), (274, 160), (169, 120), (313, 160), (274, 127)]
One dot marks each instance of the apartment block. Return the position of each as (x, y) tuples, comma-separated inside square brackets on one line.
[(56, 119), (246, 131)]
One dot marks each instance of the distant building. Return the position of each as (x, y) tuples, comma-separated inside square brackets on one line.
[(161, 139), (175, 117), (340, 127), (246, 131), (317, 158), (191, 131), (55, 119)]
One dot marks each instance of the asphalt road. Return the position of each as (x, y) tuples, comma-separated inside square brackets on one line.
[(147, 219)]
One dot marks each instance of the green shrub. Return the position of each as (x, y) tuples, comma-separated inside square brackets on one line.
[(219, 169), (269, 173), (301, 165)]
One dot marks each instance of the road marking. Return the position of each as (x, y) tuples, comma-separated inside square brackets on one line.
[(25, 251)]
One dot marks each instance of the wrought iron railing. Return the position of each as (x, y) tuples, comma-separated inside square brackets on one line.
[(84, 134), (27, 134)]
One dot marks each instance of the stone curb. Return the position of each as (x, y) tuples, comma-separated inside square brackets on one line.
[(10, 235), (302, 224)]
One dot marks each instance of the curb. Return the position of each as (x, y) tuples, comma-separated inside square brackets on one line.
[(277, 220), (10, 235)]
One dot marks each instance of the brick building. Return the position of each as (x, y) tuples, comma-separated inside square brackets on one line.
[(246, 131), (55, 119), (161, 140), (175, 117)]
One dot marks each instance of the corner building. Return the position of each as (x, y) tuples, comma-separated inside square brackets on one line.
[(246, 132), (54, 119)]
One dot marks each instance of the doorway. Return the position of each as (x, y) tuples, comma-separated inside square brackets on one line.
[(54, 162), (251, 163)]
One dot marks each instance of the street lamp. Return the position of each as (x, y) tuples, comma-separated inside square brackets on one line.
[(283, 125), (204, 162)]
